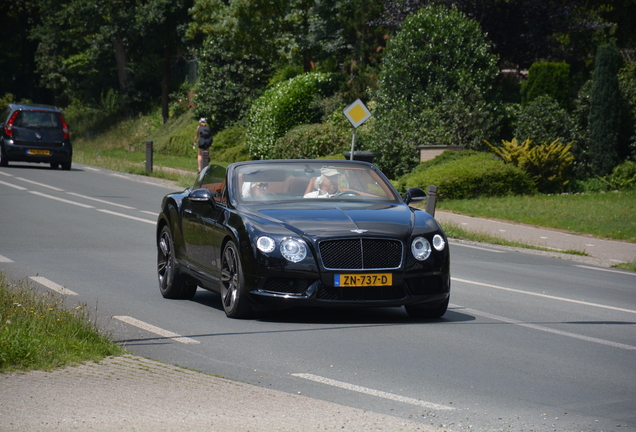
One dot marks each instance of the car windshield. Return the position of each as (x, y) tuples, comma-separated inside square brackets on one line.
[(314, 180)]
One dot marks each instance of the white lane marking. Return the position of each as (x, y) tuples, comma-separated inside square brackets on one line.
[(4, 259), (126, 216), (156, 330), (547, 329), (61, 199), (546, 296), (477, 247), (149, 212), (5, 174), (372, 392), (52, 285), (40, 184), (13, 186), (606, 270), (101, 201)]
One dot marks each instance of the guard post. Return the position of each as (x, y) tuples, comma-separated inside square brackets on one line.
[(205, 156), (431, 199), (149, 156)]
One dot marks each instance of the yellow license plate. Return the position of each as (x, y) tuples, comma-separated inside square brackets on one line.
[(40, 152), (361, 280)]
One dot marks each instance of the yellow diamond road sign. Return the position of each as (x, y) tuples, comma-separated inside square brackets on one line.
[(357, 113)]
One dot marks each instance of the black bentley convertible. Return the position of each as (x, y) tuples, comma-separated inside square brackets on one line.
[(284, 233)]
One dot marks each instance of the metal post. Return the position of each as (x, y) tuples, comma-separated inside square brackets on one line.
[(353, 143), (205, 155), (149, 156), (431, 200)]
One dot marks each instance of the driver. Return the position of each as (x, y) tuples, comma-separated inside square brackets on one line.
[(327, 185)]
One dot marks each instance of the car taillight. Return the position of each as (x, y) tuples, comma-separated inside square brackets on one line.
[(64, 126), (8, 128)]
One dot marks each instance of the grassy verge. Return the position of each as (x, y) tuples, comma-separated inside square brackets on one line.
[(455, 231), (604, 215), (37, 331)]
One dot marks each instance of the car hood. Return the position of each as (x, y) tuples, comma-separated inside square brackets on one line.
[(335, 221)]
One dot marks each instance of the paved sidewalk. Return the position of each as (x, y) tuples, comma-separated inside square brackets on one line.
[(132, 393), (601, 252)]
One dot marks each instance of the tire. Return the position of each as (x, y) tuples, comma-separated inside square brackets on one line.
[(55, 165), (171, 284), (421, 312), (3, 158), (235, 303), (66, 166)]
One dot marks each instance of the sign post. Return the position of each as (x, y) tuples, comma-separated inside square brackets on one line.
[(357, 113)]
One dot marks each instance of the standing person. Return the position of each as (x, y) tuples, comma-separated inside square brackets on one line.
[(203, 139)]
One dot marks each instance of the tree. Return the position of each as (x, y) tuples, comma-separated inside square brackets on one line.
[(603, 121), (436, 74)]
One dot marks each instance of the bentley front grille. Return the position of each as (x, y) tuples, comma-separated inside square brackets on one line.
[(361, 254)]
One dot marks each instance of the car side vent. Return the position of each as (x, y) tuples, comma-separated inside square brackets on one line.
[(361, 254)]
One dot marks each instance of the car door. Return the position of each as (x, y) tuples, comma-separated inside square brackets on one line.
[(198, 221)]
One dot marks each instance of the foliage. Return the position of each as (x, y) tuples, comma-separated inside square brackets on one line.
[(547, 164), (547, 78), (229, 145), (436, 72), (284, 106), (543, 120), (627, 134), (523, 30), (476, 175), (37, 331), (603, 121), (312, 141), (228, 83)]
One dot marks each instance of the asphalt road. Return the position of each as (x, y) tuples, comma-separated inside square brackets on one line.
[(529, 342)]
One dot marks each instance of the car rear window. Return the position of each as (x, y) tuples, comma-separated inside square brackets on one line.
[(38, 120)]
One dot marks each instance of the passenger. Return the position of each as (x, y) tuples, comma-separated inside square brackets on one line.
[(327, 185)]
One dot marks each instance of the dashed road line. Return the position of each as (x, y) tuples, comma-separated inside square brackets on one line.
[(605, 270), (13, 186), (101, 201), (4, 259), (372, 392), (52, 285), (551, 297), (126, 216), (40, 184), (156, 330), (547, 329), (75, 203)]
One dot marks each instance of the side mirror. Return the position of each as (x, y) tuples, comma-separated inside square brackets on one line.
[(202, 195), (414, 195)]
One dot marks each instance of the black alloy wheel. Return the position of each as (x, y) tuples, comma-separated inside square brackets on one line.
[(171, 283), (234, 301)]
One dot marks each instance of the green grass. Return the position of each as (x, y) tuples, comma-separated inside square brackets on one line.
[(606, 215), (38, 331)]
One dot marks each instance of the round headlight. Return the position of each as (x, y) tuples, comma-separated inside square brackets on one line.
[(265, 244), (293, 250), (438, 242), (421, 248)]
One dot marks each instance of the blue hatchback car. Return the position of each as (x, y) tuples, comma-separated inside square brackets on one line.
[(35, 133)]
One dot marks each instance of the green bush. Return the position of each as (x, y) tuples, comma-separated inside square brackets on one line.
[(623, 176), (312, 141), (473, 176), (283, 107), (233, 136), (432, 90), (232, 154), (547, 78), (543, 121), (179, 141), (547, 164)]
